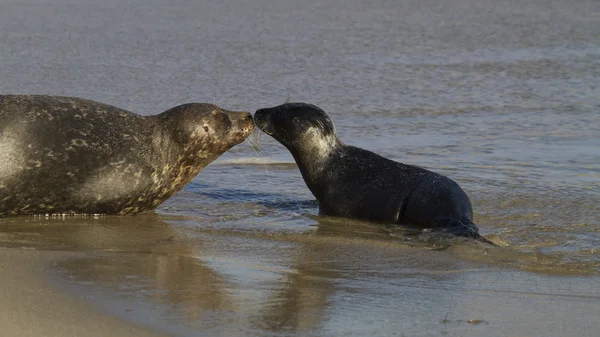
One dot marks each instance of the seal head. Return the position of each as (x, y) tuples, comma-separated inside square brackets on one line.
[(304, 129), (204, 130)]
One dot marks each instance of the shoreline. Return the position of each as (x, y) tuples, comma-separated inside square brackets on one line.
[(135, 284), (32, 306)]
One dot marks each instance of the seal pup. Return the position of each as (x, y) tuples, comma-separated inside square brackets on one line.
[(355, 183), (66, 155)]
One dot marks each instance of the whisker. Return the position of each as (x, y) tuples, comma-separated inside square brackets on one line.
[(254, 143), (257, 136), (254, 140)]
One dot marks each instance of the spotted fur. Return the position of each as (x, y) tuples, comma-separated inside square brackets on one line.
[(65, 155)]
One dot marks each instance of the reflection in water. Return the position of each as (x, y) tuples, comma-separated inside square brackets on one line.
[(298, 303), (282, 284), (184, 287), (132, 256), (340, 278)]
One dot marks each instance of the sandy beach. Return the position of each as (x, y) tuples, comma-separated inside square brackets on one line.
[(31, 306)]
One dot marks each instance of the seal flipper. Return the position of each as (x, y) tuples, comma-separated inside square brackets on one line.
[(459, 228)]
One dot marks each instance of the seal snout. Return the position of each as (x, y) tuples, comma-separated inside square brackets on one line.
[(261, 118), (242, 123)]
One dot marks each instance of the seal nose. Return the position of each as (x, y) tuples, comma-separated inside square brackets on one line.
[(249, 122), (259, 117), (244, 125)]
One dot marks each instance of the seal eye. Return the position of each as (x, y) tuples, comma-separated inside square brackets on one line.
[(206, 128)]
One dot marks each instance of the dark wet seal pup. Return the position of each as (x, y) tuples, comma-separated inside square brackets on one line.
[(65, 155), (355, 183)]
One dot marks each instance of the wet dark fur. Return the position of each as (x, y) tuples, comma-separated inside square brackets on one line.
[(356, 183), (71, 155)]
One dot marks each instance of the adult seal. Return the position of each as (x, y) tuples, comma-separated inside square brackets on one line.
[(66, 155), (355, 183)]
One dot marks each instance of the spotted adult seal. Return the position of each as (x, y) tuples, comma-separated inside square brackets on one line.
[(76, 156), (355, 183)]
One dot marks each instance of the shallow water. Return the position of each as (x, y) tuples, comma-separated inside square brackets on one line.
[(502, 97)]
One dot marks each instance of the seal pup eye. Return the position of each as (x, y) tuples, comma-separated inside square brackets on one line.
[(206, 128)]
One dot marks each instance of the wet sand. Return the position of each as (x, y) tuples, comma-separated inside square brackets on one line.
[(340, 278), (31, 306)]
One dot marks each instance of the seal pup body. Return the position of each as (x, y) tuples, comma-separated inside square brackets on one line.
[(355, 183), (75, 156)]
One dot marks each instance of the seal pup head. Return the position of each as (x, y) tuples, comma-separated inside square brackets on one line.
[(304, 129), (205, 130)]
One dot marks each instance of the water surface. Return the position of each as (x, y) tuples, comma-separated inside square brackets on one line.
[(500, 96)]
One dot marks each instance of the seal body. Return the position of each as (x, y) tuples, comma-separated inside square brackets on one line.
[(355, 183), (75, 156)]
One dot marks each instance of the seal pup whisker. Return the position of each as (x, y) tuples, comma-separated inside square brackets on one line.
[(256, 147), (355, 183), (258, 150), (254, 140)]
